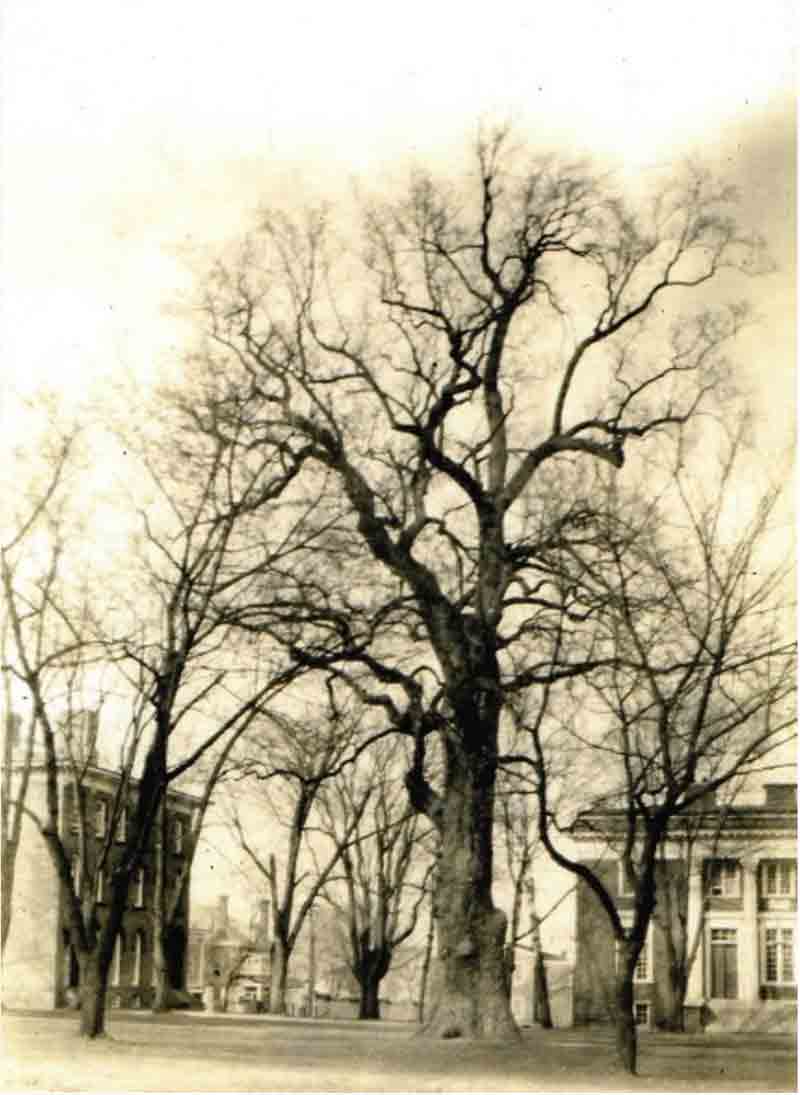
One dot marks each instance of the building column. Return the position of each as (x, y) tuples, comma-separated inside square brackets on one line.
[(748, 933), (694, 917)]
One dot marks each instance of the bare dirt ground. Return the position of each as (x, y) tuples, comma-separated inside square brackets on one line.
[(201, 1053)]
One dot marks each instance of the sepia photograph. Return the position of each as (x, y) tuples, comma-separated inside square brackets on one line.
[(397, 547)]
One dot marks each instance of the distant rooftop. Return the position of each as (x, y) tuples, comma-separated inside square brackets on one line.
[(777, 812)]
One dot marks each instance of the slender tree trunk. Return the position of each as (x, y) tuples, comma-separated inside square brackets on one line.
[(541, 993), (161, 984), (473, 999), (93, 985), (624, 1022), (426, 967), (279, 970), (540, 1011), (7, 861), (14, 794), (160, 974)]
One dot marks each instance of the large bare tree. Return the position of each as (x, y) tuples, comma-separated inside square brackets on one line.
[(438, 358)]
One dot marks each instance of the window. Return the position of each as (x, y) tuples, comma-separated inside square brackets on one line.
[(100, 892), (724, 878), (724, 957), (778, 956), (122, 825), (138, 888), (641, 1013), (116, 962), (177, 835), (100, 817), (642, 971), (778, 878)]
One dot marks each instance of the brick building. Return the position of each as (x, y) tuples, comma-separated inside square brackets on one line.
[(741, 884), (39, 967)]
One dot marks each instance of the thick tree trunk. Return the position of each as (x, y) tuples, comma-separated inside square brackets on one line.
[(93, 985), (676, 998), (473, 999), (369, 1006), (279, 969), (624, 1022)]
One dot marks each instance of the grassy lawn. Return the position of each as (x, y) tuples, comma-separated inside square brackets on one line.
[(197, 1053)]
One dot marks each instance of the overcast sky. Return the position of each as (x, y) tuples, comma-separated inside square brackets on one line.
[(135, 132), (132, 130)]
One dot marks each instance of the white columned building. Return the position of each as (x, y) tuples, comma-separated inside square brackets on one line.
[(738, 866)]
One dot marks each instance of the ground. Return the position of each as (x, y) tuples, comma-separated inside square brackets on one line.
[(196, 1052)]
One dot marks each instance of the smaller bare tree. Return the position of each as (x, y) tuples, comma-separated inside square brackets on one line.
[(291, 759), (386, 862), (695, 691)]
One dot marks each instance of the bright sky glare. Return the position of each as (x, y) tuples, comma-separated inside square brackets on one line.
[(130, 132)]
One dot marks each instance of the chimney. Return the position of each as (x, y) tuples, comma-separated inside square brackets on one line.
[(92, 727), (260, 928), (13, 729)]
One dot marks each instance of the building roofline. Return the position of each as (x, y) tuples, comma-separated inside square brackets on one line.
[(741, 819), (111, 775)]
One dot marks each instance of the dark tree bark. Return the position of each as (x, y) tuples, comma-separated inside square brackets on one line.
[(473, 990), (541, 993), (369, 1005), (93, 995), (677, 981), (625, 1026), (279, 974), (370, 972)]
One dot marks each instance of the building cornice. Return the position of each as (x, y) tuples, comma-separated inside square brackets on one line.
[(94, 775)]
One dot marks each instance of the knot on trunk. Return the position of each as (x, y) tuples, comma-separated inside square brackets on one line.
[(466, 947)]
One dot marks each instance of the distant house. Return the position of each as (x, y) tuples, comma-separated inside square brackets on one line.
[(742, 899), (40, 969), (229, 966)]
